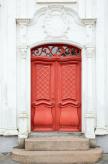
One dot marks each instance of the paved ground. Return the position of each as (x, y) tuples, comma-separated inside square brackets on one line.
[(5, 158), (104, 159)]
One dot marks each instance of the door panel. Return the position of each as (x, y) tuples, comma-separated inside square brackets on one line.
[(69, 116), (69, 96), (43, 113)]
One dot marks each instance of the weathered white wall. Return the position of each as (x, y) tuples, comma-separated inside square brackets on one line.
[(101, 68), (8, 68), (106, 54)]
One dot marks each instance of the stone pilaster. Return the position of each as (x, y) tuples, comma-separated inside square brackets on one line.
[(90, 95), (21, 93), (101, 68)]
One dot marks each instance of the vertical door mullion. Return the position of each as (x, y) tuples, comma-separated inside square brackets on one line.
[(59, 83)]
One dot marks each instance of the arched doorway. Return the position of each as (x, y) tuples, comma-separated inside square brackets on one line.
[(56, 88)]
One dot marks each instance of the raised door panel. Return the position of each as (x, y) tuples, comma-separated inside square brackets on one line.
[(69, 101), (43, 112)]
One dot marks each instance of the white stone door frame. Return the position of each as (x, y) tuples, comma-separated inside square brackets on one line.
[(24, 78), (88, 82)]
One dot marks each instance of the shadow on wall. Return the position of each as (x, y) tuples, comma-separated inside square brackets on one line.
[(7, 143), (102, 141)]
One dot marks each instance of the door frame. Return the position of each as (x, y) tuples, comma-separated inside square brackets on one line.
[(24, 88)]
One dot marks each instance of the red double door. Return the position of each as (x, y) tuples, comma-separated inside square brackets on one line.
[(56, 94)]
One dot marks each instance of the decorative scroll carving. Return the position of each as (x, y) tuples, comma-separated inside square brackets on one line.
[(56, 18), (55, 50)]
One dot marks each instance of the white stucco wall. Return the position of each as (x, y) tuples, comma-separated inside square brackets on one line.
[(8, 68), (106, 53), (33, 28)]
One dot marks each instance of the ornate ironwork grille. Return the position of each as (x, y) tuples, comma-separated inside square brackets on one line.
[(60, 50)]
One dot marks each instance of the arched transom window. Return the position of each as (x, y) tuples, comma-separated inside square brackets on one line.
[(60, 50)]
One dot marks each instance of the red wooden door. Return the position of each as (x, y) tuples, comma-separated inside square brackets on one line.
[(55, 92), (69, 100)]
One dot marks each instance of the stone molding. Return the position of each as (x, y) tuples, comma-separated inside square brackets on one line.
[(90, 115), (23, 21), (90, 52), (8, 132), (101, 131), (57, 41), (56, 1), (23, 52), (23, 115), (90, 24), (89, 21)]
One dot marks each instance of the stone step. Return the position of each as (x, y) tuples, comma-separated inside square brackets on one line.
[(57, 157), (56, 143), (56, 134)]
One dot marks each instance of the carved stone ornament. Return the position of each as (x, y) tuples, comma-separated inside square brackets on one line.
[(23, 52), (56, 21), (23, 21), (89, 21), (22, 33), (90, 52)]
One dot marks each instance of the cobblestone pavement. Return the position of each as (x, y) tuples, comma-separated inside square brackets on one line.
[(5, 158)]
